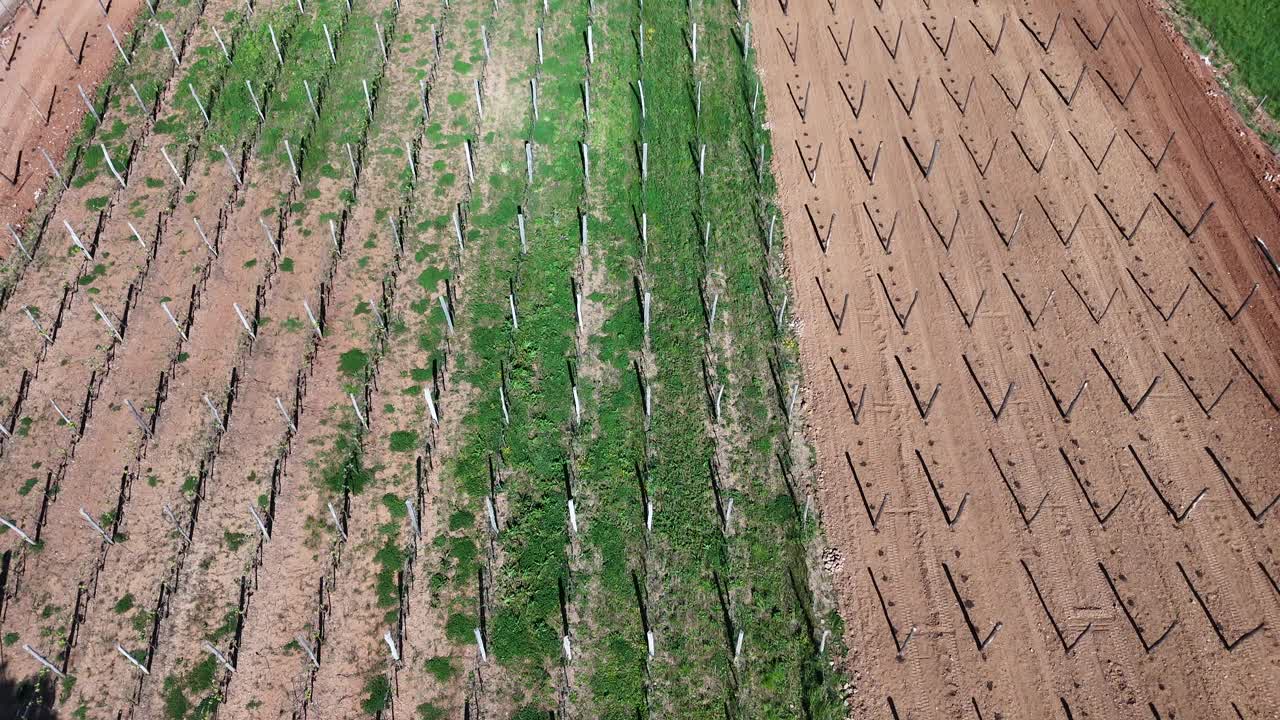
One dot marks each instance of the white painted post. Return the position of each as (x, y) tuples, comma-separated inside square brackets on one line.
[(524, 247), (61, 414), (168, 513), (244, 321), (288, 149), (591, 47), (448, 316), (359, 415), (568, 651), (586, 97), (116, 40), (430, 405), (391, 643), (275, 247), (533, 93), (138, 96), (311, 99), (528, 161), (333, 235), (539, 46), (75, 238), (515, 321), (333, 515), (311, 316), (235, 174), (697, 100), (137, 418), (165, 306), (18, 241), (252, 96), (204, 237), (199, 105), (502, 397), (40, 659), (408, 154), (641, 42), (423, 98), (136, 235), (746, 39), (333, 58), (413, 518), (702, 160), (484, 657), (377, 315), (648, 636), (98, 528), (222, 660), (737, 646), (648, 516), (133, 660), (368, 100), (302, 643), (644, 232), (728, 513), (217, 419), (822, 644), (275, 43), (112, 165), (218, 36), (351, 158), (457, 229), (694, 46), (172, 167), (573, 516), (493, 515), (644, 161), (52, 167), (577, 407), (471, 166), (92, 110), (25, 538), (586, 164), (262, 527), (484, 36), (169, 44), (582, 232), (35, 322)]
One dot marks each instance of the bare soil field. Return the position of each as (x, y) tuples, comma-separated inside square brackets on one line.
[(1040, 338)]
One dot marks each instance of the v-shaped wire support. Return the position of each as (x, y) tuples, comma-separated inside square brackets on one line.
[(979, 641)]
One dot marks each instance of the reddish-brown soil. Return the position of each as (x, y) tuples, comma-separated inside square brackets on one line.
[(966, 313), (44, 68)]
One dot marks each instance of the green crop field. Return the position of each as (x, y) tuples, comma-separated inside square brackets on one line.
[(1245, 31)]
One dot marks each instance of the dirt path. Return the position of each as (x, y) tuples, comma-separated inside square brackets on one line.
[(48, 73), (1048, 244)]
